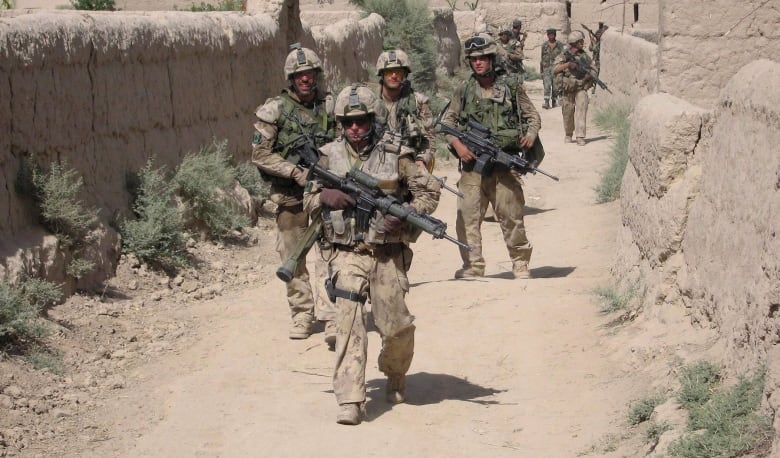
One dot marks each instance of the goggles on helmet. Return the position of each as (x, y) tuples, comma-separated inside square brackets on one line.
[(475, 43)]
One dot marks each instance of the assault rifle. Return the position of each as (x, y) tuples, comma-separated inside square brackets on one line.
[(584, 70), (368, 197), (443, 183), (592, 35), (479, 140)]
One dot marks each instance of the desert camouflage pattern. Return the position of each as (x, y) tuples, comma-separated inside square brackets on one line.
[(375, 271), (412, 128), (574, 98)]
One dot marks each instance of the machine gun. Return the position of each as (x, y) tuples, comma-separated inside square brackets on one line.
[(479, 140), (584, 70)]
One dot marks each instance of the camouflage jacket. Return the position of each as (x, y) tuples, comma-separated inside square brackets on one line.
[(549, 53), (511, 56)]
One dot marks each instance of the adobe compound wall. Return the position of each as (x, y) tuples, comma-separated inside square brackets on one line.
[(105, 92)]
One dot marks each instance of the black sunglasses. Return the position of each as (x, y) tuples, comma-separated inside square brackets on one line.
[(475, 43), (348, 122)]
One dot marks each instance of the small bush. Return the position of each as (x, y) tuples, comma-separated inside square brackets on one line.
[(203, 181), (78, 268), (56, 196), (108, 5), (21, 306), (531, 73), (155, 236), (613, 300), (223, 5), (43, 359), (6, 4), (726, 425), (249, 177), (697, 382), (655, 430), (643, 409), (616, 119)]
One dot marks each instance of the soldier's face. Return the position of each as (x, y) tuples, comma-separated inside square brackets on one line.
[(551, 37), (480, 64), (393, 77), (504, 37), (304, 83), (356, 129)]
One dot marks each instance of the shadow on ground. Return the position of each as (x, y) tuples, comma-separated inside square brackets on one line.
[(424, 388)]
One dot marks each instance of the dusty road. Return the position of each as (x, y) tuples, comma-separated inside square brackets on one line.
[(502, 367)]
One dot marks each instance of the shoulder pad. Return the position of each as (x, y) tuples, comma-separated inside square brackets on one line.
[(420, 98), (270, 111)]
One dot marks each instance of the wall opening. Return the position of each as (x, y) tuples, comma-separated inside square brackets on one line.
[(568, 9), (636, 12)]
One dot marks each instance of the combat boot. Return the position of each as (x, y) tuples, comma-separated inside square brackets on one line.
[(395, 390), (469, 272), (567, 139), (520, 270), (351, 413), (330, 334), (546, 104), (581, 141), (554, 103), (302, 327)]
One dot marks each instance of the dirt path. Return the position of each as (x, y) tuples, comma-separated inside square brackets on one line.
[(502, 367)]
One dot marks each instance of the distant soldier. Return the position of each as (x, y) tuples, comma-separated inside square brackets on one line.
[(574, 84), (518, 34), (550, 50), (595, 45), (510, 52)]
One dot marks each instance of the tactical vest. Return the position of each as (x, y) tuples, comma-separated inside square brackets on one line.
[(295, 120), (569, 81), (500, 113), (406, 121), (340, 226)]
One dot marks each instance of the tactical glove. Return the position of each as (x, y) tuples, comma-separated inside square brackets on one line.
[(336, 199)]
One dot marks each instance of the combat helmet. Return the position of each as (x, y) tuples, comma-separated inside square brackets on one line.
[(575, 36), (480, 44), (355, 101), (505, 29), (301, 59), (393, 59)]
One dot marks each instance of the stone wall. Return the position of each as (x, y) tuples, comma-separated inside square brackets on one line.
[(628, 83), (104, 92)]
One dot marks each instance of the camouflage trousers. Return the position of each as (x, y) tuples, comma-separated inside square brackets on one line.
[(550, 91), (379, 275), (575, 111), (503, 190), (291, 223)]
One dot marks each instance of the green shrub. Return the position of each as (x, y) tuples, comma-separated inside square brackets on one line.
[(614, 300), (697, 382), (726, 425), (643, 409), (155, 236), (6, 4), (249, 177), (21, 306), (408, 27), (109, 5), (42, 358), (56, 197), (203, 180), (655, 430), (78, 268), (615, 118), (531, 73), (223, 5)]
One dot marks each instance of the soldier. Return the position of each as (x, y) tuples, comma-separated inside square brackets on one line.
[(550, 51), (510, 52), (373, 261), (302, 108), (518, 34), (404, 112), (574, 85), (595, 45), (504, 109)]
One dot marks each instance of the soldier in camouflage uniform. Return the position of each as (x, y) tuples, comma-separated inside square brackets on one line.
[(373, 262), (518, 34), (510, 53), (504, 110), (404, 113), (302, 108), (595, 45), (550, 51), (574, 86)]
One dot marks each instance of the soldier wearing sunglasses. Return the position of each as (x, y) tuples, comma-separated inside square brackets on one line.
[(514, 123), (370, 254)]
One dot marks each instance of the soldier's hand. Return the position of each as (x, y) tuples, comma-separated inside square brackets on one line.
[(300, 175), (393, 224), (526, 142), (463, 152), (572, 65), (336, 199)]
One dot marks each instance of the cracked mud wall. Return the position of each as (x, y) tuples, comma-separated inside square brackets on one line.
[(700, 206), (105, 92)]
